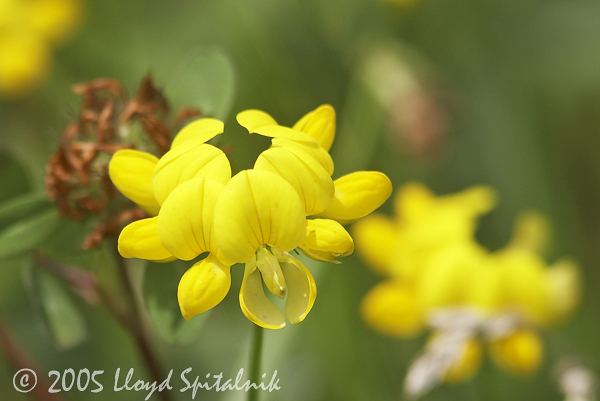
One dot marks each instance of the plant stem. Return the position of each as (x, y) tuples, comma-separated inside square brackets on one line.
[(255, 360), (130, 318), (136, 326), (19, 360)]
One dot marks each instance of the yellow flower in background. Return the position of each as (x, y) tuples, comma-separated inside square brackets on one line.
[(435, 267), (518, 279), (256, 217), (520, 352), (28, 31), (424, 223), (427, 252)]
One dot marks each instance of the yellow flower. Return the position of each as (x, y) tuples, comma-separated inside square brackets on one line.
[(300, 155), (24, 62), (424, 223), (28, 30), (428, 253), (392, 308), (256, 218), (517, 279), (434, 265), (148, 181), (520, 352), (259, 218), (326, 240), (253, 218)]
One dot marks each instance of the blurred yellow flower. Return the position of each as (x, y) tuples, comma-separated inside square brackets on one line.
[(423, 225), (28, 31), (434, 266), (519, 352)]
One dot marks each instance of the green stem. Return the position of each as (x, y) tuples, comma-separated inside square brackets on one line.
[(255, 361), (135, 325), (17, 357)]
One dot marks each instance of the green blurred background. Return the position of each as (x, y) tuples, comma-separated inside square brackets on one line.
[(505, 93)]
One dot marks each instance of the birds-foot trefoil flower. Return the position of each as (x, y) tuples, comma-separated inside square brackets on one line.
[(257, 217), (435, 267), (28, 31)]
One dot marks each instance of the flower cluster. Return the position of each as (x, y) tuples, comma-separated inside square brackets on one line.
[(438, 276), (288, 200), (28, 30)]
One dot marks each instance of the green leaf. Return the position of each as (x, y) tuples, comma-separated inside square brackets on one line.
[(205, 80), (160, 293), (61, 316), (13, 177), (22, 206), (25, 233), (65, 243)]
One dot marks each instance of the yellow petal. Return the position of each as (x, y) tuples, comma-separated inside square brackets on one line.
[(376, 237), (356, 195), (185, 220), (131, 172), (326, 240), (392, 308), (312, 183), (256, 208), (25, 60), (190, 159), (203, 286), (467, 364), (253, 119), (413, 201), (448, 275), (302, 148), (479, 199), (532, 232), (302, 290), (140, 240), (485, 290), (53, 19), (202, 130), (320, 124), (254, 303), (564, 289), (520, 352), (524, 284)]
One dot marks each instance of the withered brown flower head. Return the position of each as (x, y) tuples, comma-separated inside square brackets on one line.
[(77, 174)]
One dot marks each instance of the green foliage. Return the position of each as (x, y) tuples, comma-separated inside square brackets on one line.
[(61, 315), (12, 176), (206, 80), (24, 223)]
